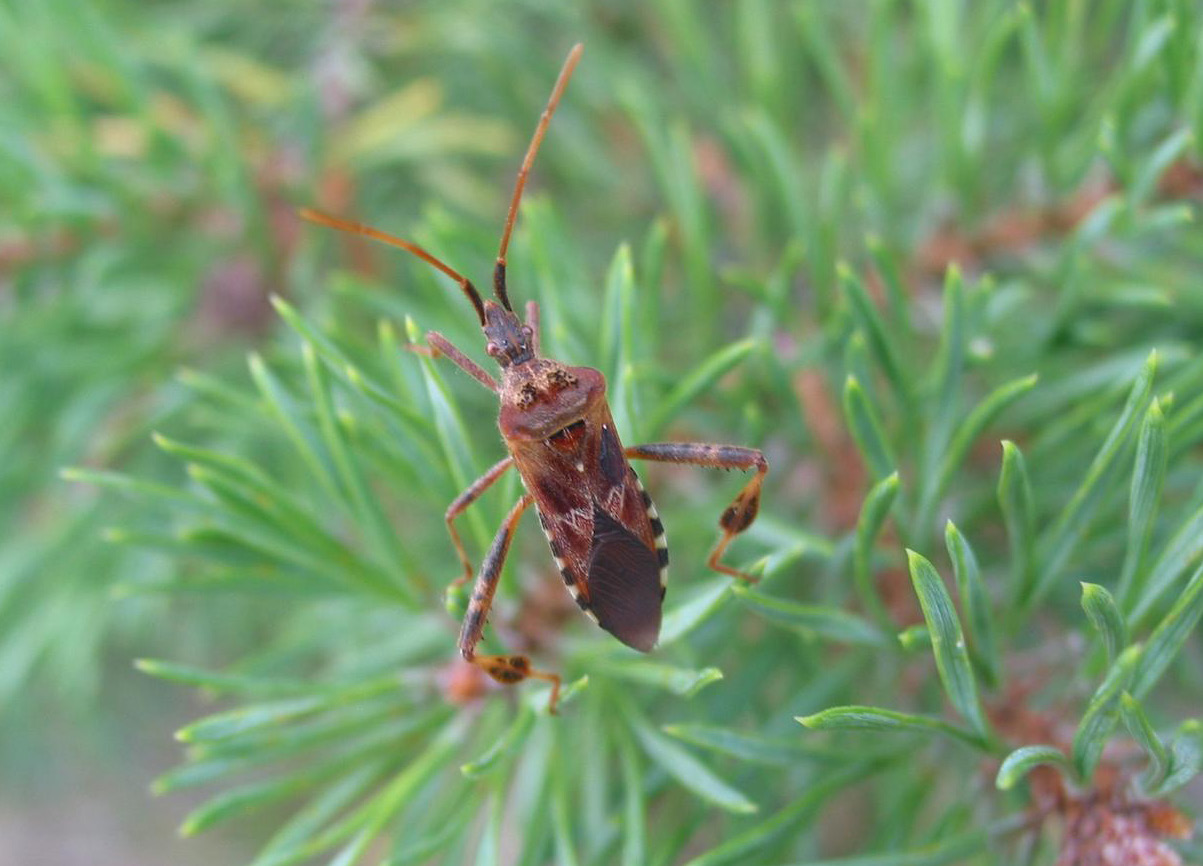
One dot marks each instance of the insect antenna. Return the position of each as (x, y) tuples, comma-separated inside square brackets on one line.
[(556, 92), (377, 235)]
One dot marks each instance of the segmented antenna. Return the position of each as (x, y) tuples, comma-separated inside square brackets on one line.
[(377, 235), (556, 92)]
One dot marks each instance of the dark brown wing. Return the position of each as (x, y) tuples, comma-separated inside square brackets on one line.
[(624, 583)]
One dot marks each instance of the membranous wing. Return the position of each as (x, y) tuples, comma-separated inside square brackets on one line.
[(623, 582)]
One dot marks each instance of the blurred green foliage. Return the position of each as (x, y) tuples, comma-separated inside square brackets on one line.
[(875, 239)]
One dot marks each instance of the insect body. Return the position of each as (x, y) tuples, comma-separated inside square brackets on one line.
[(601, 525)]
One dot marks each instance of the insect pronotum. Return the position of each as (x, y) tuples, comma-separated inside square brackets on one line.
[(603, 530)]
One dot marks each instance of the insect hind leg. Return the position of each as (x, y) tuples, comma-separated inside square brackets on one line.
[(514, 669), (742, 511), (506, 669)]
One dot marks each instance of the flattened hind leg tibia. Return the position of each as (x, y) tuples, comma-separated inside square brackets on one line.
[(742, 511), (507, 669), (737, 517), (514, 669)]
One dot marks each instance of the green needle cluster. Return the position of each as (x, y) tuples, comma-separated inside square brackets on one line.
[(938, 259)]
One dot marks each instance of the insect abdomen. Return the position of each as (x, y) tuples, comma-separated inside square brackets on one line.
[(658, 537)]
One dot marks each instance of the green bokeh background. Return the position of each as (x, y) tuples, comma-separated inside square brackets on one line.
[(766, 163)]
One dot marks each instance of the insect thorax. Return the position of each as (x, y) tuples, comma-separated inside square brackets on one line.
[(541, 397)]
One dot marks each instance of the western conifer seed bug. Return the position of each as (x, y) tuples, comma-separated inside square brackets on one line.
[(603, 530)]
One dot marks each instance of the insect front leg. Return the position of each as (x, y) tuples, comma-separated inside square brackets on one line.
[(507, 669), (460, 505), (532, 322), (739, 515), (438, 346)]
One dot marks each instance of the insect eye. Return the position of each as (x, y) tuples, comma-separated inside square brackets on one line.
[(527, 334), (491, 349), (569, 438)]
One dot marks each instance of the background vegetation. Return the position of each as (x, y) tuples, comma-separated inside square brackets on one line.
[(875, 239)]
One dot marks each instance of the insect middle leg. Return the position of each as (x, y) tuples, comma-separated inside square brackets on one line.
[(506, 669), (460, 505), (739, 515)]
